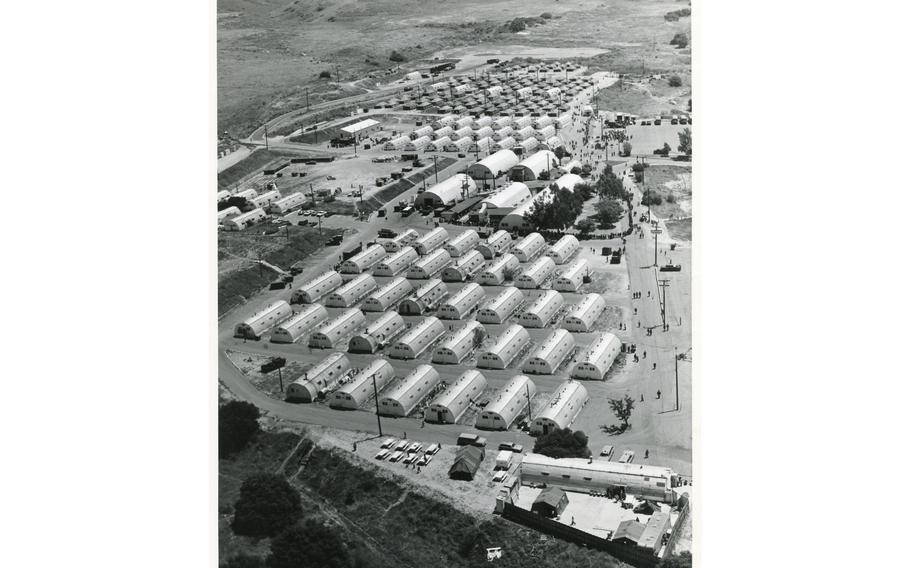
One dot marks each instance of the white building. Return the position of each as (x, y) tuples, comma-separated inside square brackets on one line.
[(412, 76), (463, 122), (426, 298), (550, 355), (463, 132), (581, 317), (421, 132), (416, 340), (254, 326), (564, 121), (483, 122), (418, 144), (505, 143), (334, 330), (377, 334), (452, 403), (465, 268), (396, 144), (515, 220), (543, 122), (504, 121), (322, 375), (535, 275), (524, 133), (501, 307), (506, 348), (223, 195), (300, 325), (563, 250), (502, 134), (452, 190), (430, 265), (459, 345), (406, 238), (363, 260), (444, 132), (431, 241), (568, 181), (439, 145), (528, 145), (248, 194), (317, 288), (545, 133), (520, 122), (562, 409), (350, 293), (404, 397), (241, 222), (388, 296), (231, 211), (446, 120), (494, 165), (459, 145), (506, 199), (360, 129), (496, 273), (266, 199), (484, 144), (597, 358), (354, 394), (462, 302), (484, 132), (497, 243), (396, 262), (542, 310), (509, 402), (571, 279), (537, 163), (287, 204), (529, 247)]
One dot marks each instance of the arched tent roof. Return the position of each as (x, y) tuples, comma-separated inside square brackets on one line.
[(493, 165), (531, 167), (455, 188)]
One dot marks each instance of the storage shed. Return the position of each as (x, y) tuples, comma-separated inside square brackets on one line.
[(458, 345), (536, 274), (494, 165), (431, 241), (597, 358), (501, 307), (354, 394), (571, 279), (512, 341), (377, 334), (563, 250), (386, 297), (242, 221), (463, 243), (467, 462), (464, 268), (430, 265), (397, 262), (334, 330), (451, 404), (550, 355), (300, 325), (462, 302), (496, 273), (322, 375), (363, 261), (254, 326), (426, 298), (551, 502), (288, 203), (402, 240), (497, 243), (581, 317), (407, 394), (416, 340), (509, 402), (544, 308), (562, 409), (350, 293), (529, 247)]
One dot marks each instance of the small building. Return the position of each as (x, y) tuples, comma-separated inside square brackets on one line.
[(515, 220), (223, 195), (581, 317), (444, 132), (543, 122), (463, 132), (652, 536), (421, 132), (254, 326), (412, 76), (451, 404), (504, 143), (227, 213), (628, 532), (335, 330), (502, 134), (457, 346), (502, 122), (404, 397), (494, 165), (248, 194), (483, 122), (571, 279), (377, 334), (554, 143), (512, 341), (430, 265), (545, 133), (350, 293), (300, 325), (464, 268), (316, 288), (467, 462), (416, 340), (563, 250), (396, 144), (354, 394), (406, 238), (386, 297), (266, 199), (597, 358), (528, 145), (397, 262), (462, 302), (360, 129), (550, 355), (459, 145), (496, 273), (321, 376), (446, 120), (551, 502), (523, 133), (244, 220), (287, 204), (439, 144), (529, 247), (562, 409), (520, 122), (497, 243), (542, 311), (463, 243), (482, 145), (509, 402), (363, 261), (417, 145), (431, 241), (447, 192), (501, 307), (426, 298), (536, 274)]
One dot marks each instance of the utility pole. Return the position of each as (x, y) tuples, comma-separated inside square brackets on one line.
[(528, 394), (266, 126), (376, 396), (676, 371), (260, 265), (662, 284), (280, 380), (435, 171), (307, 99), (656, 232)]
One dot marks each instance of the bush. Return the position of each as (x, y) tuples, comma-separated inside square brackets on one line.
[(312, 544), (651, 198), (547, 16), (563, 443), (517, 25), (397, 57), (267, 504), (244, 560), (675, 81), (683, 560), (238, 423), (626, 149), (680, 40), (586, 226), (671, 198), (325, 74)]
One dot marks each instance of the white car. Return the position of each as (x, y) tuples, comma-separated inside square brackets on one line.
[(389, 442), (410, 459), (415, 447), (402, 446), (425, 460), (383, 454), (396, 456), (433, 450), (607, 451)]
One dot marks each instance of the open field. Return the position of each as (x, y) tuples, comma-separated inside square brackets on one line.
[(674, 186)]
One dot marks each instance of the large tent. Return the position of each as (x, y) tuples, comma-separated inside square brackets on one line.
[(551, 502), (467, 461)]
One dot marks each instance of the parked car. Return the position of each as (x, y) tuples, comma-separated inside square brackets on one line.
[(387, 233), (383, 454), (415, 447), (410, 459), (389, 442), (627, 456), (606, 451), (401, 446), (433, 449), (396, 456), (511, 447), (424, 460)]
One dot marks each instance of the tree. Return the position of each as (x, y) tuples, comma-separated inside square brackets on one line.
[(517, 25), (683, 560), (325, 74), (244, 560), (563, 443), (685, 142), (609, 212), (547, 16), (610, 186), (559, 212), (626, 148), (238, 423), (267, 504), (397, 57), (675, 81), (310, 545), (680, 40), (586, 226), (622, 408)]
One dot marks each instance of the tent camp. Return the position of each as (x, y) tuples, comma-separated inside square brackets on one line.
[(467, 461)]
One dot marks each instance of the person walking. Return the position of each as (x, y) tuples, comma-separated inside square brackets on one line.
[(658, 394), (646, 454)]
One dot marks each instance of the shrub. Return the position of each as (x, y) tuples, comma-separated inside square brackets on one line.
[(547, 16), (563, 443), (517, 25), (651, 198), (325, 74), (397, 57), (313, 544), (238, 423), (586, 226), (675, 81), (626, 149), (671, 198), (267, 504), (680, 40)]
